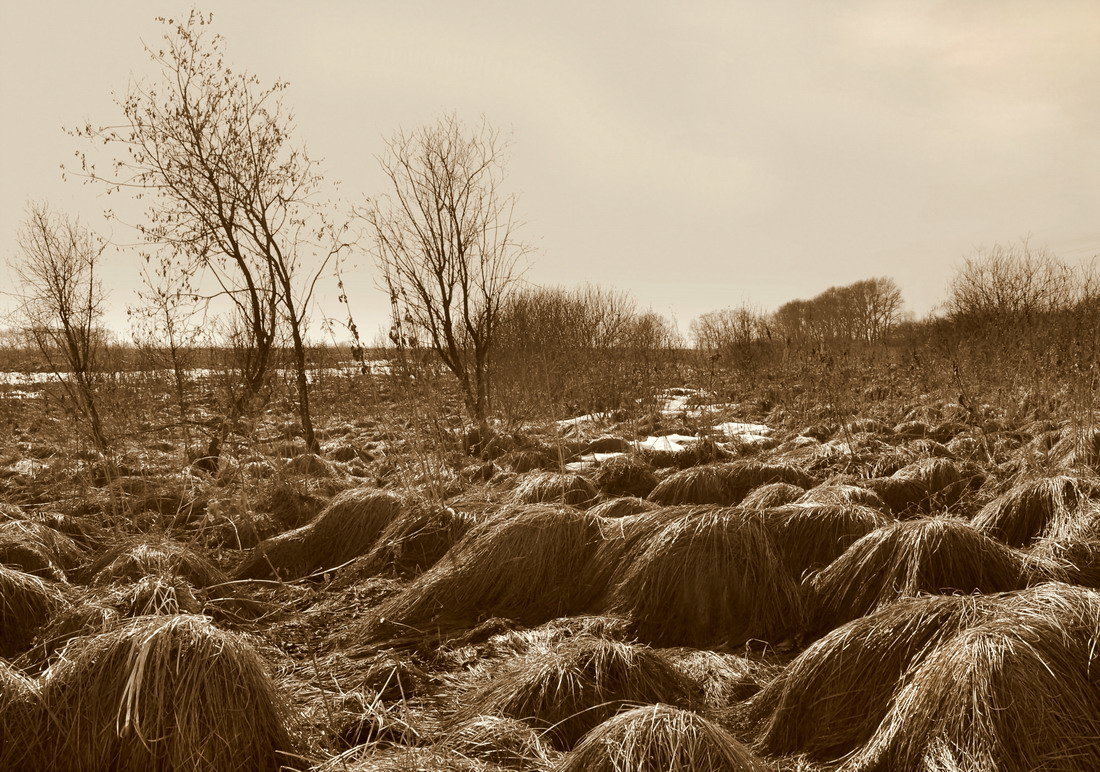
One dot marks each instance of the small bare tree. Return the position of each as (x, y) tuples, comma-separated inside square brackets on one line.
[(232, 197), (61, 304), (445, 240)]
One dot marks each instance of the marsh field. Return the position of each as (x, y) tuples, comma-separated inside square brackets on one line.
[(297, 476), (655, 560)]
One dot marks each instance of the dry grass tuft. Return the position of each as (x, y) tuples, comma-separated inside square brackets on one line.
[(156, 596), (1010, 695), (830, 699), (625, 476), (704, 580), (772, 495), (26, 605), (1078, 448), (37, 549), (724, 484), (722, 679), (622, 507), (509, 742), (435, 758), (20, 719), (698, 485), (810, 536), (932, 555), (660, 738), (571, 687), (414, 540), (133, 561), (521, 564), (842, 494), (554, 488), (925, 486), (348, 527), (163, 693), (1035, 508)]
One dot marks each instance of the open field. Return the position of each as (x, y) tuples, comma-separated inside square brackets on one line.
[(701, 583)]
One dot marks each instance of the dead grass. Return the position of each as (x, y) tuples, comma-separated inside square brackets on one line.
[(706, 580), (1035, 508), (135, 559), (570, 687), (1009, 695), (810, 536), (20, 720), (932, 555), (348, 527), (625, 476), (772, 495), (830, 699), (554, 488), (623, 506), (660, 738), (26, 604), (521, 564), (163, 693)]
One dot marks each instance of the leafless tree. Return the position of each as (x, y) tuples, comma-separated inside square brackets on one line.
[(232, 197), (1010, 283), (445, 239), (61, 304)]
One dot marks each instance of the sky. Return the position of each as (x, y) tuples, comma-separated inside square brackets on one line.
[(698, 155)]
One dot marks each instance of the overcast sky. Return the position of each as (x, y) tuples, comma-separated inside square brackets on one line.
[(697, 154)]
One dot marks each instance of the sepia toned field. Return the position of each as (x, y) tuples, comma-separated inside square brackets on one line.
[(698, 584)]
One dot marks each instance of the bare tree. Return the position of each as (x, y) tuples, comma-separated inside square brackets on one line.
[(445, 240), (231, 196), (61, 304), (1012, 283)]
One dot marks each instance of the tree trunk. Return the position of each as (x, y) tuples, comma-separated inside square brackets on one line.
[(304, 414)]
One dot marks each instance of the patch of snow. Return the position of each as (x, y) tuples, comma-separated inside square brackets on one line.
[(673, 443), (569, 423), (734, 429)]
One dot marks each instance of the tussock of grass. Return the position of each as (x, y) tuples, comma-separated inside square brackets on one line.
[(722, 679), (830, 699), (554, 488), (522, 564), (705, 580), (625, 476), (414, 540), (26, 604), (623, 506), (933, 555), (660, 738), (509, 742), (723, 484), (810, 536), (619, 538), (571, 687), (1075, 544), (20, 719), (37, 549), (163, 693), (530, 459), (698, 485), (772, 495), (132, 561), (1035, 509), (840, 493), (1010, 695), (925, 485), (1078, 448), (348, 527), (156, 595)]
